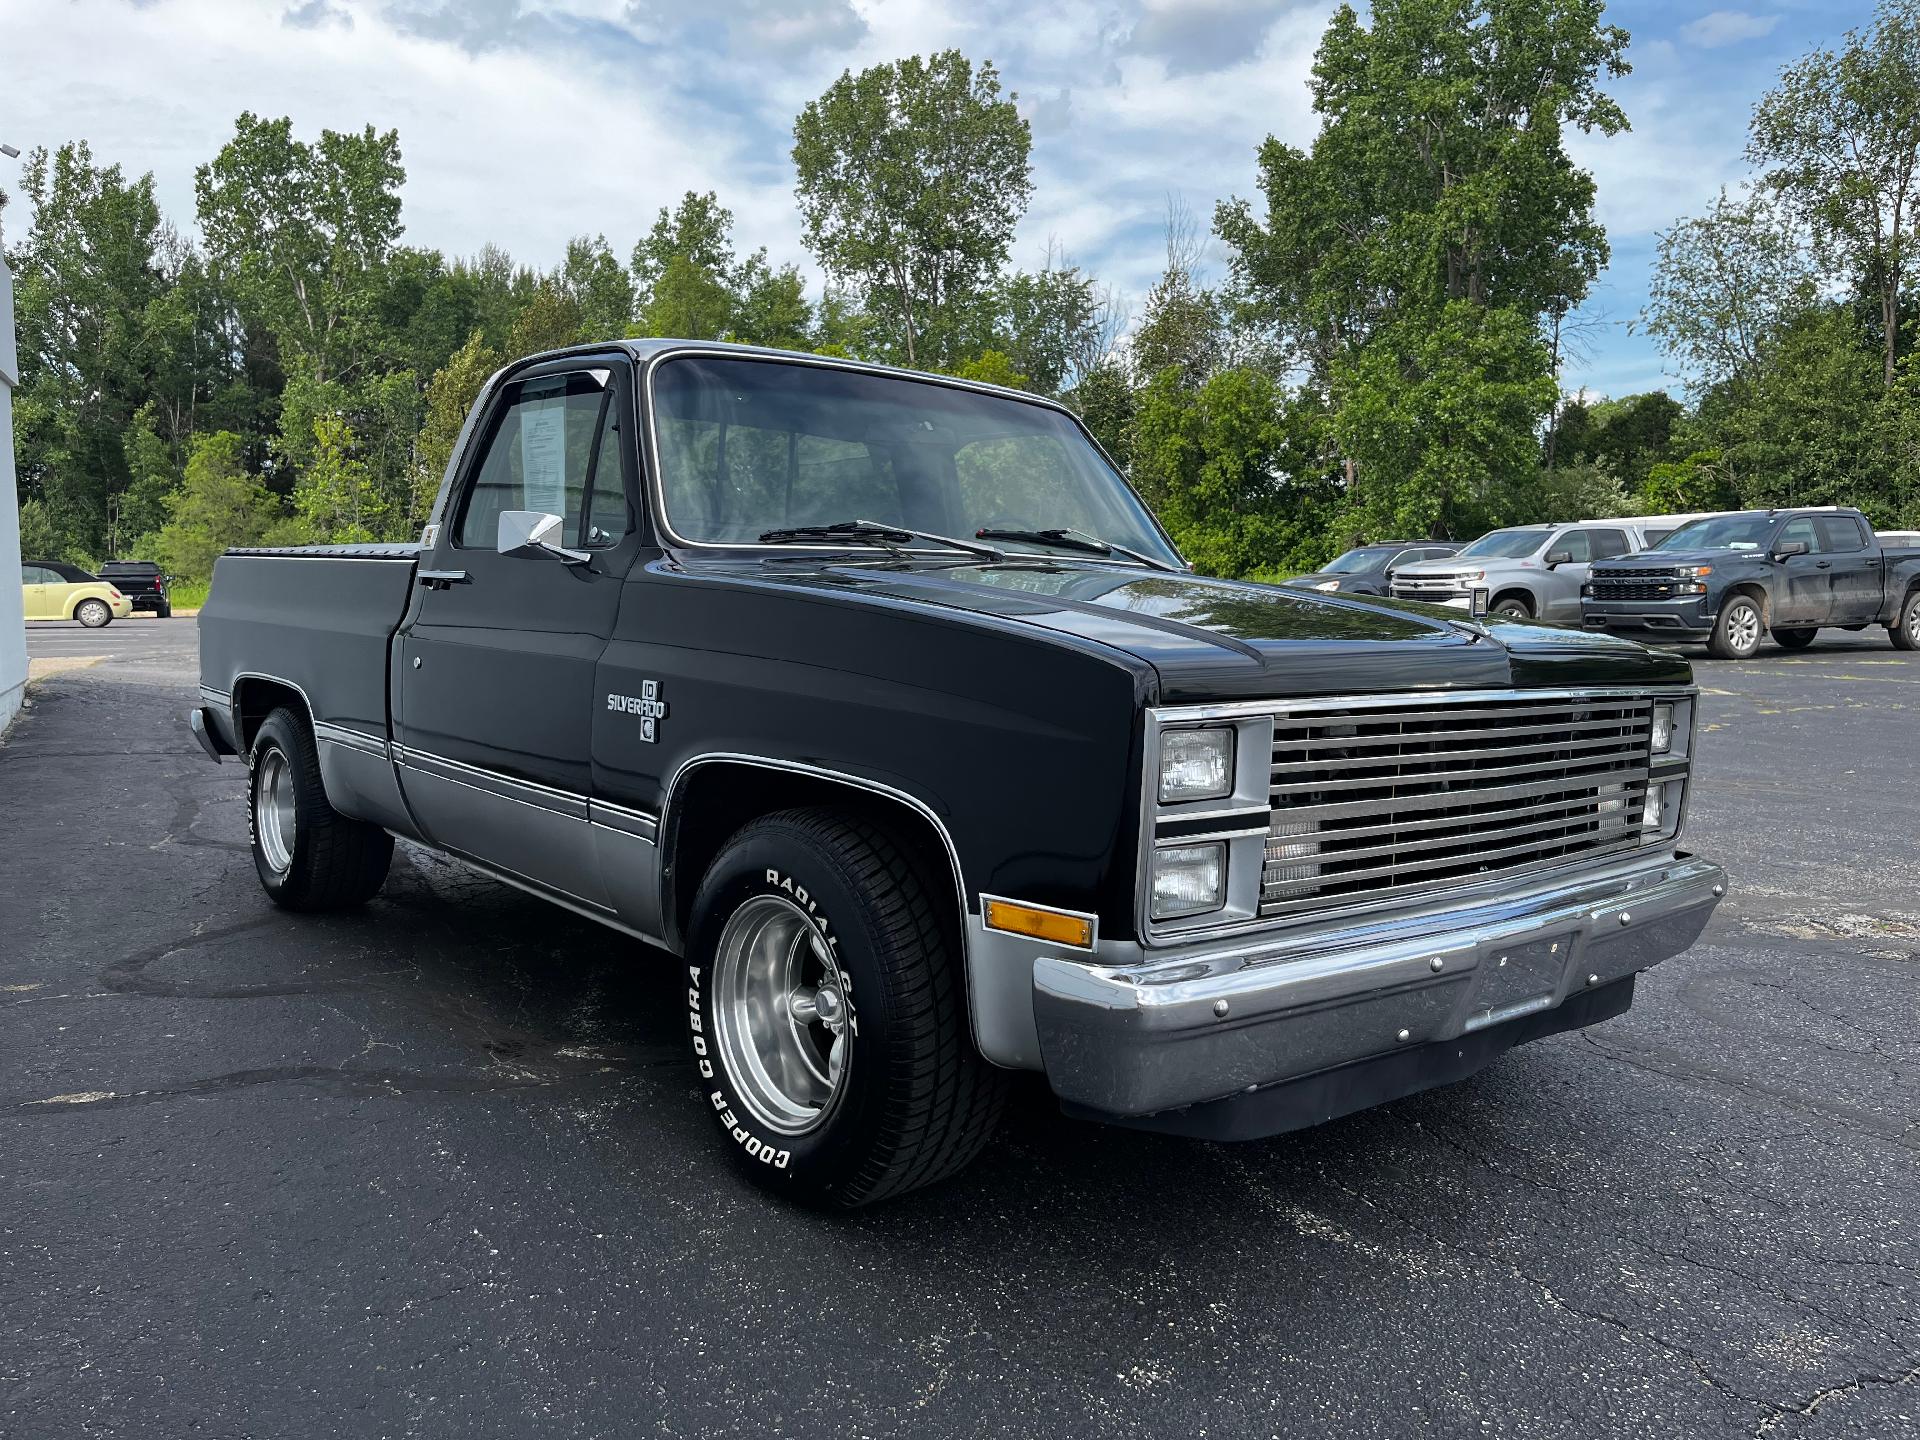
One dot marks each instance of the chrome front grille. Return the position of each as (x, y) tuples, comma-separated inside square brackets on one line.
[(1374, 802), (1429, 587)]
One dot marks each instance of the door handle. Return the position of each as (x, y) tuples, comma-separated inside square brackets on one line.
[(441, 579), (1823, 564)]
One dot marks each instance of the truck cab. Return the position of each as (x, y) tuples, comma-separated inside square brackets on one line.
[(879, 707)]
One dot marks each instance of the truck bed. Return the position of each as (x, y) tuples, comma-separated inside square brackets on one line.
[(319, 618)]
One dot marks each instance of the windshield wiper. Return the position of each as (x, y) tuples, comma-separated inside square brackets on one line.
[(1062, 538), (873, 530)]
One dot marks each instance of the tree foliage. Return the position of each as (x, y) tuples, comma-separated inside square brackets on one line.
[(912, 176)]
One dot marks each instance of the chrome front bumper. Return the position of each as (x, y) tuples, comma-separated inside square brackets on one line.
[(1182, 1028)]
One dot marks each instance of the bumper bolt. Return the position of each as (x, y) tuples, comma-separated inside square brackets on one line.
[(1593, 979), (1404, 1036), (1718, 891), (1220, 1008), (1625, 918), (1436, 964)]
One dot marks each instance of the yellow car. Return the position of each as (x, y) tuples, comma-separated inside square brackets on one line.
[(55, 590)]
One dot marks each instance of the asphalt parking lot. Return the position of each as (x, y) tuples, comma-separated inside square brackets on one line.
[(438, 1168)]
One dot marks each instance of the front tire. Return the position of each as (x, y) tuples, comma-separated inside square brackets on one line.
[(1513, 607), (1796, 637), (1736, 634), (94, 614), (827, 1015), (308, 855), (1905, 630)]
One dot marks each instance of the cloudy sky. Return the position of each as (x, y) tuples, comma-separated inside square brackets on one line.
[(523, 122)]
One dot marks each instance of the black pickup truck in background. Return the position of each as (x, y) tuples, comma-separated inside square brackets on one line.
[(885, 711), (142, 582), (1727, 580)]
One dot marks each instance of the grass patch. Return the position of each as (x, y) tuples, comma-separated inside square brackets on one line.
[(189, 594)]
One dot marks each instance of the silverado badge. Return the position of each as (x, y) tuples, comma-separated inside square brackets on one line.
[(647, 705)]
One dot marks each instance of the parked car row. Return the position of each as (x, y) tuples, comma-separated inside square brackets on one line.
[(55, 590), (1722, 580)]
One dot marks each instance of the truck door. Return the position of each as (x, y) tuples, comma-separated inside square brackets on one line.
[(1856, 575), (1560, 586), (1806, 595), (495, 688)]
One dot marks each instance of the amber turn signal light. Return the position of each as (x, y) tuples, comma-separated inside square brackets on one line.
[(1075, 930)]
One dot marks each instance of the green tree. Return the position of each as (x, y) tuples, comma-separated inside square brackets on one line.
[(771, 306), (303, 233), (337, 496), (699, 228), (1182, 324), (687, 302), (912, 177), (600, 288), (1231, 471), (1839, 139), (1440, 174), (92, 268), (1104, 399), (218, 504), (991, 367), (1724, 282), (450, 396), (1440, 418)]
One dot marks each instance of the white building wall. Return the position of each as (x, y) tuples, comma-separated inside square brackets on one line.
[(13, 629)]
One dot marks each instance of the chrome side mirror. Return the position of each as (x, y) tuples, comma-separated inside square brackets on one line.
[(533, 532)]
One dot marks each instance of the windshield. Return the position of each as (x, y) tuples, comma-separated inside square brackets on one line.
[(1355, 561), (1507, 544), (748, 446), (1721, 532)]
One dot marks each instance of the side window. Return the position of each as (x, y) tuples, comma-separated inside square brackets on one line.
[(1577, 546), (36, 575), (1654, 537), (1405, 557), (1800, 529), (1840, 533), (540, 455), (1608, 543)]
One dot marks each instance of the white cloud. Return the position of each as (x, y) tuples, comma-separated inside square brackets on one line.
[(1728, 27)]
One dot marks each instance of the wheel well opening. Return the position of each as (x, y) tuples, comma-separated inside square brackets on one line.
[(1513, 592), (1757, 594), (713, 801), (255, 700)]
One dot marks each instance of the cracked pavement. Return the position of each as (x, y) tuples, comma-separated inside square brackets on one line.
[(439, 1168)]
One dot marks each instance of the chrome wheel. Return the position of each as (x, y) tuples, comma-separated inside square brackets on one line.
[(273, 811), (93, 613), (1743, 627), (781, 1014), (1913, 623)]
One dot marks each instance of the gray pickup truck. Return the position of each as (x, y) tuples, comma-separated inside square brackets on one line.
[(884, 711)]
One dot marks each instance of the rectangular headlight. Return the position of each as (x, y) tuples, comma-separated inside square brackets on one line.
[(1195, 764), (1662, 729), (1189, 879)]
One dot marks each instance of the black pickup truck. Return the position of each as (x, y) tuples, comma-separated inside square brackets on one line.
[(1727, 580), (142, 582), (882, 703)]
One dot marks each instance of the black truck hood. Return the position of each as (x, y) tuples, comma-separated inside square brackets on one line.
[(1228, 640), (1665, 559)]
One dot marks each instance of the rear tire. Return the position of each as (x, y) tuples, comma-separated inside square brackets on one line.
[(309, 856), (1796, 637), (94, 614), (1736, 633), (1905, 630), (163, 611), (827, 1014)]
